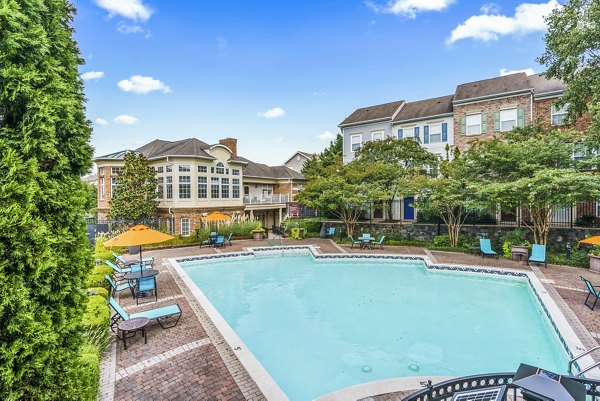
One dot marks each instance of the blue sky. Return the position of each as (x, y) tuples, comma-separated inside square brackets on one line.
[(280, 76)]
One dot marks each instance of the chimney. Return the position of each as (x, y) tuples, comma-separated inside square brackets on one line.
[(231, 143)]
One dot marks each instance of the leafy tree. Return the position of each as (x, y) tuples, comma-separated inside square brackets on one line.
[(396, 165), (331, 155), (135, 192), (451, 195), (572, 54), (44, 252), (342, 190), (91, 200), (531, 169)]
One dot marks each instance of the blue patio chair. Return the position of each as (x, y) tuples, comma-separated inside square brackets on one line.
[(380, 242), (213, 237), (143, 287), (355, 242), (116, 287), (538, 255), (485, 246), (331, 232), (220, 241), (591, 291), (122, 263), (158, 314), (228, 240), (118, 272)]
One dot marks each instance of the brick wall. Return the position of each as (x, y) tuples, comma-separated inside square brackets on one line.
[(542, 110), (231, 143), (195, 216), (490, 106)]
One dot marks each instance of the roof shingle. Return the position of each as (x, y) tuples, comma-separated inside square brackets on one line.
[(425, 108), (492, 86), (385, 110)]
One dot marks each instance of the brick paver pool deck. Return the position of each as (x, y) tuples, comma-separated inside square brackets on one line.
[(193, 362)]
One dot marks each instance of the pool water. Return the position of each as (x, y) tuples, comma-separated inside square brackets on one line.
[(318, 327)]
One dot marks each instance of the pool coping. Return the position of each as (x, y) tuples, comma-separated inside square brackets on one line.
[(271, 390)]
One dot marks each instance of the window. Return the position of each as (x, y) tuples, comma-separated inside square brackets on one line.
[(355, 141), (558, 115), (185, 187), (159, 170), (377, 135), (169, 168), (473, 124), (214, 187), (435, 133), (235, 172), (408, 132), (100, 170), (236, 188), (202, 169), (299, 187), (246, 190), (101, 187), (116, 170), (169, 187), (220, 168), (227, 171), (508, 119), (202, 188), (185, 227), (160, 187), (184, 168), (579, 151), (225, 188), (113, 186)]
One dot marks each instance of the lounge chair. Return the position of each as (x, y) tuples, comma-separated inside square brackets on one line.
[(158, 314), (228, 240), (117, 270), (204, 242), (538, 255), (591, 291), (143, 287), (379, 243), (485, 247), (330, 232), (116, 287), (122, 263), (355, 242), (220, 241)]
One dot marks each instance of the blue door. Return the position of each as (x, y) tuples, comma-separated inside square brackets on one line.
[(409, 211)]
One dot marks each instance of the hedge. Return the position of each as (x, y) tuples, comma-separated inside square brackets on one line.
[(96, 277), (103, 292), (89, 372), (97, 313)]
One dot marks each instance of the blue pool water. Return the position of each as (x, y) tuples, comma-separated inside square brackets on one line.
[(318, 327)]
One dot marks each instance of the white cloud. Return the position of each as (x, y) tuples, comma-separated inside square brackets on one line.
[(272, 113), (125, 119), (131, 9), (100, 121), (325, 136), (133, 29), (409, 8), (528, 18), (504, 71), (490, 8), (142, 85), (86, 76)]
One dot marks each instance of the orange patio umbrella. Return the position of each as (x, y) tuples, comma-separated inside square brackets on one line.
[(216, 216), (595, 240), (138, 235)]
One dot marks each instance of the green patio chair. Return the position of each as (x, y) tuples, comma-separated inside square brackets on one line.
[(538, 255), (591, 292), (380, 242), (158, 314), (355, 242)]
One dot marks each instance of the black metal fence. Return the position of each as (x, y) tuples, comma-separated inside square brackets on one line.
[(97, 227)]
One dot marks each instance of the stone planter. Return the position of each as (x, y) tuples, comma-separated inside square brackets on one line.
[(257, 236), (595, 263)]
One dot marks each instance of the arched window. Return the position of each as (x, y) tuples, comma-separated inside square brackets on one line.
[(220, 168)]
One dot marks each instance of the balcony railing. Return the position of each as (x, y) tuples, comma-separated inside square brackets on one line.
[(266, 200)]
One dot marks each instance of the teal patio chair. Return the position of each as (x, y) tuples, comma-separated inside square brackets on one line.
[(220, 241), (143, 287), (355, 242), (228, 240), (485, 246), (158, 314), (380, 242), (331, 232), (122, 263), (114, 288), (591, 292), (118, 272), (538, 255)]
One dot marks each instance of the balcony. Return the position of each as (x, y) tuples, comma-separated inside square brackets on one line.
[(266, 199)]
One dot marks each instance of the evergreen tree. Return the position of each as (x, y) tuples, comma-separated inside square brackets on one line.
[(135, 193), (44, 252), (332, 154)]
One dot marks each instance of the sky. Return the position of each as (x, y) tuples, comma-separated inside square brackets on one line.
[(281, 75)]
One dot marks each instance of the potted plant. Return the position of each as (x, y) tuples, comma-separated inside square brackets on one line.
[(595, 259), (258, 233), (515, 243)]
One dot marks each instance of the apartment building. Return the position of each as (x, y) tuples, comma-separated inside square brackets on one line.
[(195, 179)]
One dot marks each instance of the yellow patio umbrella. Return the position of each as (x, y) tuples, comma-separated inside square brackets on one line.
[(216, 216), (138, 235), (595, 240)]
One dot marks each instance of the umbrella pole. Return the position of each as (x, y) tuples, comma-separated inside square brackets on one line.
[(141, 264)]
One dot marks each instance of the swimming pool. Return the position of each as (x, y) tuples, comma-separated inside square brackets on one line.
[(317, 327)]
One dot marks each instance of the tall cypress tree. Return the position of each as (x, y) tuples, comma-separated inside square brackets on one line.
[(44, 149)]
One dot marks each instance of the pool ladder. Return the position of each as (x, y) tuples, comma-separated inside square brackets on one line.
[(587, 352)]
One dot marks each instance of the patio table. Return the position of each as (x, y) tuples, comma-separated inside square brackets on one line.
[(130, 327), (366, 242), (143, 274)]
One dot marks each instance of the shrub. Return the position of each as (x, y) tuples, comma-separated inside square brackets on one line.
[(313, 226), (444, 241), (579, 258), (100, 252), (103, 292), (97, 313), (516, 237), (96, 277), (87, 373)]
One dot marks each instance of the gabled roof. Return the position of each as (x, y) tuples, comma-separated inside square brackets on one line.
[(425, 108), (492, 87), (260, 170), (543, 85), (304, 154), (185, 147), (378, 112)]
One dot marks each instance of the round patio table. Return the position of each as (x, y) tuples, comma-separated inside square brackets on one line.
[(132, 326), (366, 241), (142, 274)]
